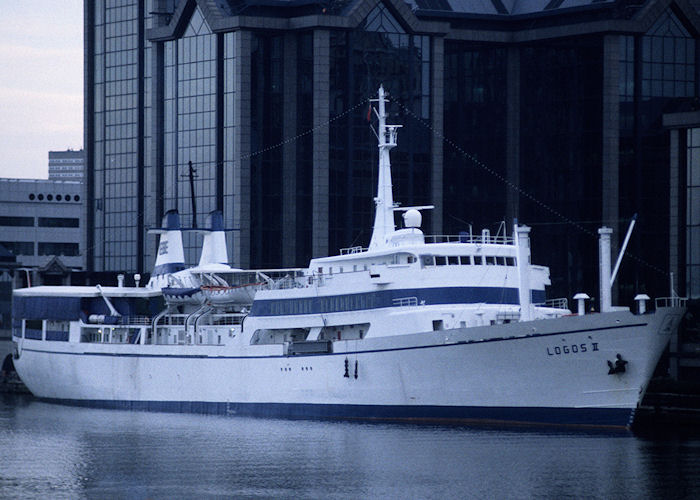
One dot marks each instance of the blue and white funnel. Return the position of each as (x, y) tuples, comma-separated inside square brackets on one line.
[(171, 257), (214, 245)]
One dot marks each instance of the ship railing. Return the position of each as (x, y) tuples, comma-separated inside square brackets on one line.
[(287, 282), (559, 303), (405, 301), (172, 320), (352, 250), (670, 302), (225, 319), (136, 320), (469, 238)]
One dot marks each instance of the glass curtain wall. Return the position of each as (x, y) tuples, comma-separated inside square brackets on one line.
[(379, 52), (304, 148), (190, 127), (475, 120), (561, 158), (266, 161), (116, 101), (663, 62), (149, 185), (692, 273)]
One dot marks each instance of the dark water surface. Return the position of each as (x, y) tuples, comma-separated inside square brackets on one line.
[(54, 451)]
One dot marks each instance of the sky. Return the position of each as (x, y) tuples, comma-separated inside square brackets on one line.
[(41, 83)]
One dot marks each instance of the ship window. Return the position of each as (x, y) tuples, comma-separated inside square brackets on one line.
[(490, 261), (33, 329), (501, 261), (440, 260), (478, 260), (465, 260), (438, 325), (453, 260), (510, 261), (410, 259)]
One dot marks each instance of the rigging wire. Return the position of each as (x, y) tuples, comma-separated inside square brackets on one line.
[(521, 191), (456, 147)]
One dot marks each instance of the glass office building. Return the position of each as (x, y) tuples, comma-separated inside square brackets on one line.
[(564, 114)]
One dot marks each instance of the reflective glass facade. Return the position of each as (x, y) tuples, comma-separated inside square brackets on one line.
[(266, 122), (190, 126), (116, 134), (692, 213), (378, 52), (475, 121), (659, 68), (560, 162), (271, 109)]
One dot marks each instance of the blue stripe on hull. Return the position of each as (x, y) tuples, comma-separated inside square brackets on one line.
[(620, 418)]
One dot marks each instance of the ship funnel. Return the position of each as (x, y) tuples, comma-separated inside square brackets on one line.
[(171, 257), (214, 245)]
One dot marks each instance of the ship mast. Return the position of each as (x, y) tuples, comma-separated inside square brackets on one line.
[(384, 201)]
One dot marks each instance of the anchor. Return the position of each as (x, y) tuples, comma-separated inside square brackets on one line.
[(619, 366)]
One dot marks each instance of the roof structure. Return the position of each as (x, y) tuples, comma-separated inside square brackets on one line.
[(483, 20)]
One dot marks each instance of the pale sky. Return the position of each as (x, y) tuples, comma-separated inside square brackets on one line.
[(41, 83)]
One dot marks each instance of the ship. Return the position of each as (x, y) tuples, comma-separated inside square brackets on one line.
[(419, 328)]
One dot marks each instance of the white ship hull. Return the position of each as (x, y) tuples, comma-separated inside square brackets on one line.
[(550, 372)]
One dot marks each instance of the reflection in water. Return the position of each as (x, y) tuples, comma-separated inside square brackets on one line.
[(57, 451)]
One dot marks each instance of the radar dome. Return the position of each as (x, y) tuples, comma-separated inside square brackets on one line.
[(412, 218)]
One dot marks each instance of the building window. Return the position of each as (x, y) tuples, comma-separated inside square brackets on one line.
[(58, 222), (19, 247), (65, 249), (668, 57), (17, 221)]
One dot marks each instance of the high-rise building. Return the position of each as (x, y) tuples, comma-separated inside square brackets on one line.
[(67, 165), (565, 114)]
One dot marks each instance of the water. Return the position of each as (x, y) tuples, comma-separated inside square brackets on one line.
[(54, 451)]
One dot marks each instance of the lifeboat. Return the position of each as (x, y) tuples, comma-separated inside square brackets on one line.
[(177, 295), (240, 294)]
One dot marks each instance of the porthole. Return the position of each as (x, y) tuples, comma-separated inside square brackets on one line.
[(67, 197), (59, 197), (41, 196), (31, 196), (76, 197), (49, 197)]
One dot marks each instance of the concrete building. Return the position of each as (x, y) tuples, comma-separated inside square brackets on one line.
[(67, 165), (551, 111), (40, 223)]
